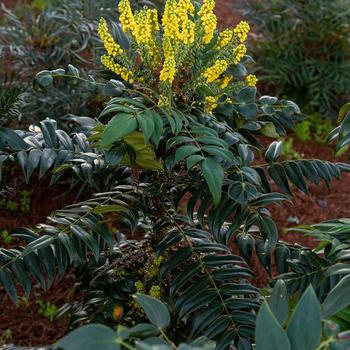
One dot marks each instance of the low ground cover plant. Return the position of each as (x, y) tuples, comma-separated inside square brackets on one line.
[(163, 249)]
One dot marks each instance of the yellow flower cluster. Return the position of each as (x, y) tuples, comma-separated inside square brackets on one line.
[(212, 73), (238, 53), (183, 24), (224, 39), (118, 69), (168, 49), (126, 17), (146, 24), (187, 35), (251, 80), (187, 27), (210, 103), (112, 48), (242, 30), (167, 74), (225, 81), (208, 20), (170, 20), (155, 292)]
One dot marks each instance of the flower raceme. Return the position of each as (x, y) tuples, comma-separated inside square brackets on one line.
[(179, 58)]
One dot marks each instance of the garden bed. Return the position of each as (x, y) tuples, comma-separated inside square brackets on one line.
[(25, 324)]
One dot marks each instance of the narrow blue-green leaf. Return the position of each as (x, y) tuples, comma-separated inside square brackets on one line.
[(90, 337), (305, 328), (269, 335)]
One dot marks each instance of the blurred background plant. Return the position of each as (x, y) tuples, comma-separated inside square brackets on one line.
[(49, 35), (302, 50)]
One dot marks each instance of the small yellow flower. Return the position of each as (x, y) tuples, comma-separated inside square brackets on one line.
[(251, 80), (210, 104), (126, 17), (169, 69), (224, 39), (118, 69), (238, 53), (212, 73), (112, 48), (242, 30)]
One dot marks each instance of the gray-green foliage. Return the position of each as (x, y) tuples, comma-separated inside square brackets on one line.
[(304, 329), (302, 50)]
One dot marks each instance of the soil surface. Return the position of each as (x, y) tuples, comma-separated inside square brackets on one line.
[(28, 327)]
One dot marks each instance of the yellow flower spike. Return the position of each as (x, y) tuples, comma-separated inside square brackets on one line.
[(167, 74), (143, 28), (242, 30), (118, 69), (126, 17), (224, 39), (152, 16), (186, 6), (251, 80), (187, 35), (238, 53), (225, 81), (212, 73), (112, 48), (168, 49), (210, 104), (208, 19), (170, 20)]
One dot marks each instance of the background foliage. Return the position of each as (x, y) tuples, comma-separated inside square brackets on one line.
[(302, 50)]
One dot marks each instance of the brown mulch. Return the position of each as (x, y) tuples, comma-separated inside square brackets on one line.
[(28, 327)]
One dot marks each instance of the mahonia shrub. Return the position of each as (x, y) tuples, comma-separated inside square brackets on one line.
[(171, 65), (181, 179)]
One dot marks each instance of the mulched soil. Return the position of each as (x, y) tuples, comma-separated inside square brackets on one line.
[(28, 327)]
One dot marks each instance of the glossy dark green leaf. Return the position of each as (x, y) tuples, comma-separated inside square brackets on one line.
[(155, 310), (184, 152), (273, 152), (120, 126), (279, 176), (7, 281), (213, 174), (269, 231)]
